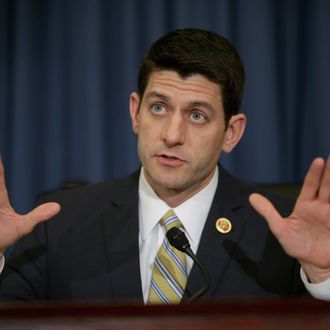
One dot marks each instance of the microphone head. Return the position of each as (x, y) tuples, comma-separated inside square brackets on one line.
[(178, 239)]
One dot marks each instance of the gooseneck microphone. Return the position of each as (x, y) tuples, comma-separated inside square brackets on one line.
[(178, 239)]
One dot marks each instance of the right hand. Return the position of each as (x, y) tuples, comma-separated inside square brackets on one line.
[(12, 225)]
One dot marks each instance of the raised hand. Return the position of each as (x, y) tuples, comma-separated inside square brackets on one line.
[(12, 225), (305, 234)]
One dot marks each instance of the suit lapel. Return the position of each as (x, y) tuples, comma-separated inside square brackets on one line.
[(227, 203), (121, 228)]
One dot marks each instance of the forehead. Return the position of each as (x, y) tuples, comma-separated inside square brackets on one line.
[(172, 84)]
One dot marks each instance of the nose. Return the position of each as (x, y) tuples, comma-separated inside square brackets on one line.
[(173, 131)]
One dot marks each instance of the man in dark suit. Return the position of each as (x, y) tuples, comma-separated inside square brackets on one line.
[(103, 243)]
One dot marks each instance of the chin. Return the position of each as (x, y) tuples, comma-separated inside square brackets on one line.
[(171, 183), (167, 178)]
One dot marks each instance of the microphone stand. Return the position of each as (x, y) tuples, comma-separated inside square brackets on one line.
[(178, 239)]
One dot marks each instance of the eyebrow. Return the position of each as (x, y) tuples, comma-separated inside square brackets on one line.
[(155, 94), (194, 104), (191, 104)]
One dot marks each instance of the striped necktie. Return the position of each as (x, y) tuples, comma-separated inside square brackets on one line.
[(169, 273)]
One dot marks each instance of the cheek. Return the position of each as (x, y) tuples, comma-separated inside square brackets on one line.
[(147, 137), (209, 144), (149, 133)]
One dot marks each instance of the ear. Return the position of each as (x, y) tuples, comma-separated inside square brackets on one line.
[(234, 132), (134, 104)]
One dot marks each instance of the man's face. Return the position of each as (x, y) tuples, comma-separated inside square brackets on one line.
[(181, 132)]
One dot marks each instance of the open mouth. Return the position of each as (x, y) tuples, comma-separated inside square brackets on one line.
[(171, 161), (169, 157)]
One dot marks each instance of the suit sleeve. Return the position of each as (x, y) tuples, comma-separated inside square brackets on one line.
[(24, 276)]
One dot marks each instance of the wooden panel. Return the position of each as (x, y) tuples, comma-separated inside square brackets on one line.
[(270, 314)]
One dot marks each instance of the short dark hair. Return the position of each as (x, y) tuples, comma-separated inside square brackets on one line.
[(195, 51)]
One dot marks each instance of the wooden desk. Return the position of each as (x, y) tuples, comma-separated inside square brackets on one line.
[(269, 314)]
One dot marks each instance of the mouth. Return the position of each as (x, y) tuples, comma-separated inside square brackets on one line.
[(169, 157), (169, 160)]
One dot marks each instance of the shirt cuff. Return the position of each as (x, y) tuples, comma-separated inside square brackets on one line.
[(2, 263), (317, 290)]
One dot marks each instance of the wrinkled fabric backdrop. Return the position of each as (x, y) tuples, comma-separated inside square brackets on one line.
[(67, 68)]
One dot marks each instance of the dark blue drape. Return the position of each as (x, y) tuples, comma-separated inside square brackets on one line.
[(67, 68)]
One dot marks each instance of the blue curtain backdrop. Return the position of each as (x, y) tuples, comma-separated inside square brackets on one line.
[(67, 68)]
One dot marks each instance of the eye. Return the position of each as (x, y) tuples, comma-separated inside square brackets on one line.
[(158, 109), (197, 117)]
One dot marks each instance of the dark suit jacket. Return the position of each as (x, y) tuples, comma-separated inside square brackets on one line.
[(90, 250)]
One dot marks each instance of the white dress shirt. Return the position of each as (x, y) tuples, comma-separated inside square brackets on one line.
[(192, 213)]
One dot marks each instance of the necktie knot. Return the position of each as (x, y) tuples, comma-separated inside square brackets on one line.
[(170, 220)]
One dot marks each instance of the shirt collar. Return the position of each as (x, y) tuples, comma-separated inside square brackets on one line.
[(192, 213)]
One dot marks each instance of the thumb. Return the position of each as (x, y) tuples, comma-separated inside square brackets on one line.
[(267, 210), (41, 213)]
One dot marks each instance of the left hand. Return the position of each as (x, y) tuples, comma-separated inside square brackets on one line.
[(305, 234)]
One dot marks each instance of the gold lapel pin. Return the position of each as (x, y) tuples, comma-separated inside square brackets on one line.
[(223, 225)]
